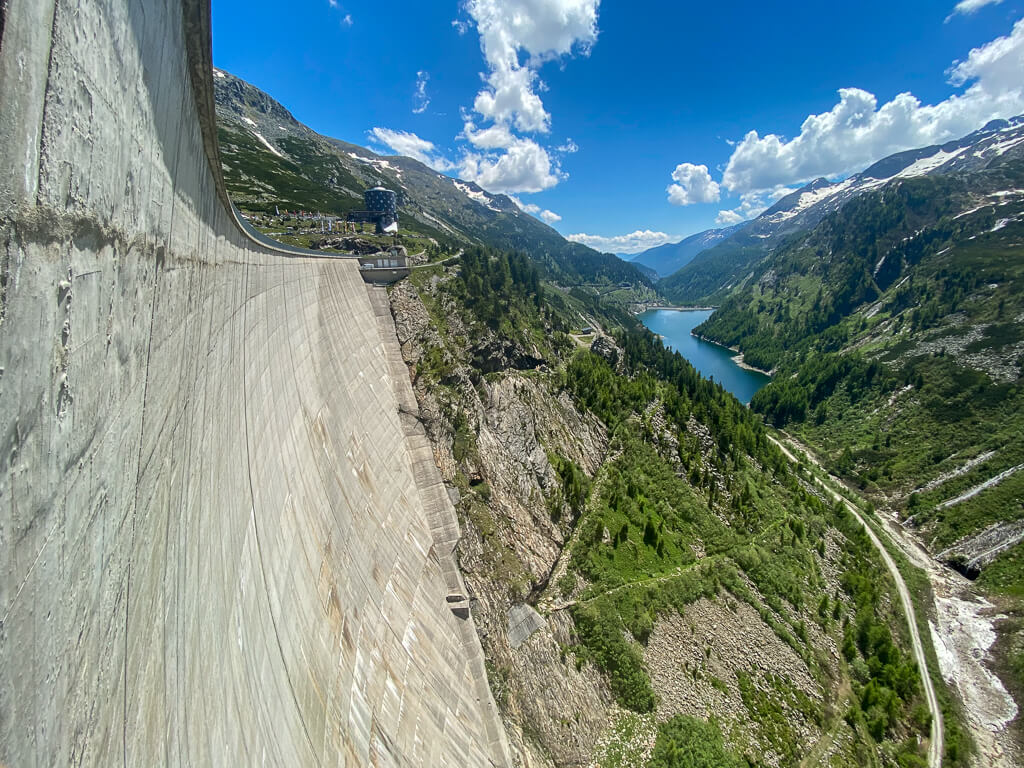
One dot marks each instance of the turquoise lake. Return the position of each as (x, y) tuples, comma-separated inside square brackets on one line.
[(713, 361)]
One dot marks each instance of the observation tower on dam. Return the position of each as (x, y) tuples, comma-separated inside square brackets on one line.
[(381, 209)]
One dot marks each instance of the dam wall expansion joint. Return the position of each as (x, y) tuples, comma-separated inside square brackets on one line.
[(223, 539)]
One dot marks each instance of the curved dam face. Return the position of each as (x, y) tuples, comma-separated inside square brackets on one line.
[(220, 544)]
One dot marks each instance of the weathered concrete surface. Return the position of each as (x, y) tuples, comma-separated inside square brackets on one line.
[(213, 548)]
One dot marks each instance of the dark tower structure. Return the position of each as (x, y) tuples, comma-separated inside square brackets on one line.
[(382, 201)]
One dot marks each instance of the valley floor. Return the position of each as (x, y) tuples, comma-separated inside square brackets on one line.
[(962, 627)]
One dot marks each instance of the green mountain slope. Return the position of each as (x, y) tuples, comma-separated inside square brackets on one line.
[(715, 272), (271, 161), (896, 331), (668, 561)]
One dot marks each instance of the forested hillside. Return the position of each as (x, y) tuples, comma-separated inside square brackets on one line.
[(895, 330), (617, 505)]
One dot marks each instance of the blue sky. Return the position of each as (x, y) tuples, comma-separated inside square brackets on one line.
[(627, 124)]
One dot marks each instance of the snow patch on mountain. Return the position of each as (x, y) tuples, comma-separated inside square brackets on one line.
[(477, 195), (809, 199), (266, 143), (926, 165), (1002, 147)]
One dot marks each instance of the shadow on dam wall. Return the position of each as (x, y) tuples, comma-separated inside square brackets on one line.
[(219, 542)]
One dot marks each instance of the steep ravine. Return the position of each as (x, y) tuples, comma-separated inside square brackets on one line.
[(502, 440), (963, 626), (503, 484)]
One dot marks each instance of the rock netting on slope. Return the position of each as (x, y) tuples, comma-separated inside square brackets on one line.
[(215, 550)]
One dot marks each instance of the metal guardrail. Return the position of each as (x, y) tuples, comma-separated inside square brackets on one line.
[(294, 250)]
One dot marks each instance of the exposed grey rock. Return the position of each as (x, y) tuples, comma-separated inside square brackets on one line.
[(510, 543), (972, 553), (609, 350), (695, 660), (523, 621), (357, 245), (494, 356)]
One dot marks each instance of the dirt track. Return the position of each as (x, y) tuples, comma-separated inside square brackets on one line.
[(935, 744)]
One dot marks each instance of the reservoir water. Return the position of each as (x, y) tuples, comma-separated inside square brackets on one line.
[(711, 360)]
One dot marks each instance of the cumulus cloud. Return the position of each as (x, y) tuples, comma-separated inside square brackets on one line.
[(967, 7), (516, 38), (347, 21), (411, 145), (752, 205), (420, 99), (524, 206), (857, 131), (521, 166), (535, 210), (543, 30), (693, 185), (634, 242), (512, 97), (494, 137), (728, 218)]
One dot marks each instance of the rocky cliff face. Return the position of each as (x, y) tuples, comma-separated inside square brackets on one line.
[(494, 439), (508, 437)]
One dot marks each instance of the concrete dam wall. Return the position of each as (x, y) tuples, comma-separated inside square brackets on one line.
[(221, 541)]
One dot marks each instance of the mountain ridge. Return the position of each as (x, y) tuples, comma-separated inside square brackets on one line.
[(671, 257), (728, 262), (271, 159)]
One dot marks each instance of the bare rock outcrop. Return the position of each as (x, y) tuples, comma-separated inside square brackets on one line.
[(495, 429)]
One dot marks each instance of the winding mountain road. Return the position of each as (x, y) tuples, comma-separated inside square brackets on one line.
[(935, 746)]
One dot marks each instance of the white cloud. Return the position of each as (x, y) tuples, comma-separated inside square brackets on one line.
[(728, 218), (634, 242), (544, 30), (752, 205), (511, 96), (535, 210), (857, 131), (332, 3), (495, 137), (693, 185), (420, 99), (509, 103), (525, 207), (411, 145), (967, 7), (347, 21), (570, 147), (522, 166)]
